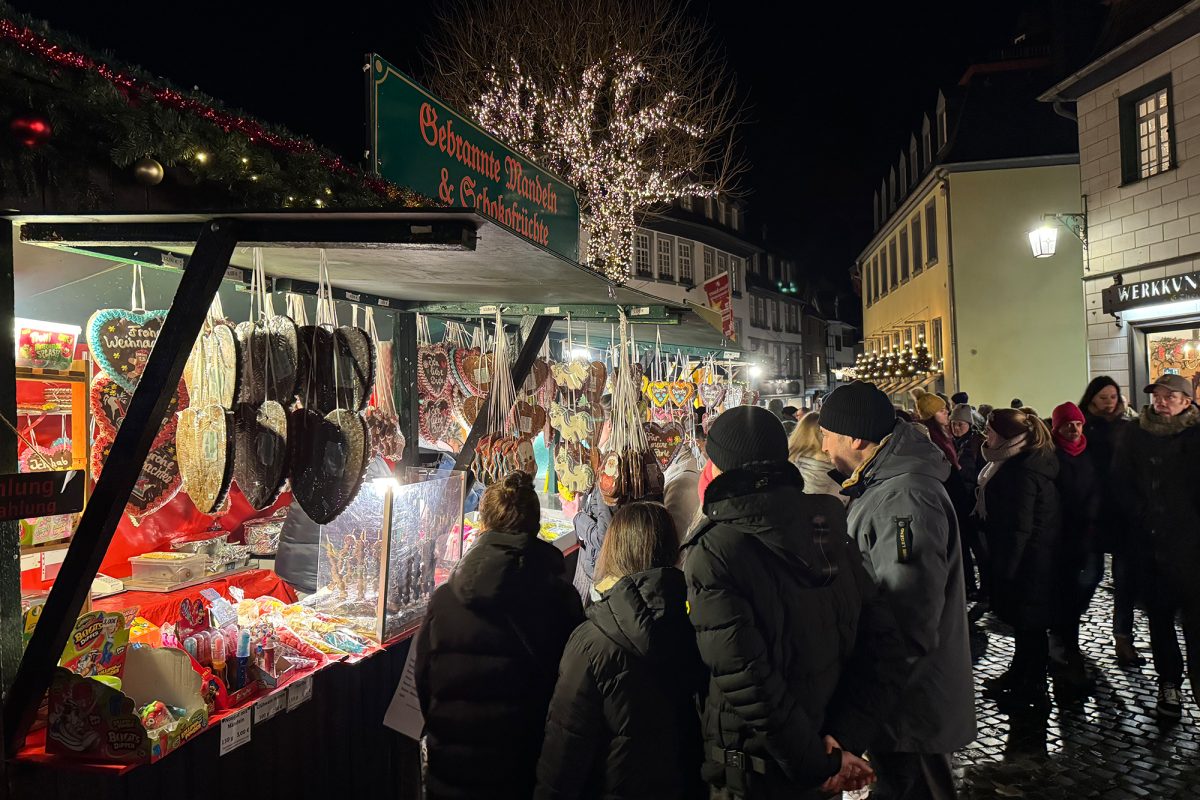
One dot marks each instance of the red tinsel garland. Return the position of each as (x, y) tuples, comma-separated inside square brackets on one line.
[(32, 43)]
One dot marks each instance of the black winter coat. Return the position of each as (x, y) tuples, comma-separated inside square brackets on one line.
[(1155, 471), (1112, 529), (776, 589), (1024, 529), (970, 457), (486, 664), (1080, 492), (624, 723)]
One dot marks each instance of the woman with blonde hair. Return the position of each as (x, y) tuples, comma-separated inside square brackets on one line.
[(804, 450), (1018, 504), (623, 720)]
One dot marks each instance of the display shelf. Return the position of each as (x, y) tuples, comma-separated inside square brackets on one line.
[(77, 374), (158, 588), (34, 549)]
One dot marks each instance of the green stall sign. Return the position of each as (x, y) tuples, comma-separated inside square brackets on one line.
[(420, 142)]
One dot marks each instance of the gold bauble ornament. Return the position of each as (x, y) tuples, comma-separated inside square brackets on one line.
[(148, 172)]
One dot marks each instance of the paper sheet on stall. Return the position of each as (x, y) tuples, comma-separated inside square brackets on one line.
[(404, 713)]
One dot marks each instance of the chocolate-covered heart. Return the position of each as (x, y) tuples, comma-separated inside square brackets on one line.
[(213, 371), (260, 466), (665, 442), (269, 361), (433, 371), (328, 461), (316, 349), (387, 440), (253, 343), (121, 342), (356, 357), (205, 450)]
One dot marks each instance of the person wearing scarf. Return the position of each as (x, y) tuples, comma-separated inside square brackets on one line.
[(1019, 507), (1081, 565)]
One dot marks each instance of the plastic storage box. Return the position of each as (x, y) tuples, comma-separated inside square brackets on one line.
[(166, 569)]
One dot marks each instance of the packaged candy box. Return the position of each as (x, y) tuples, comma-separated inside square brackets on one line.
[(45, 345)]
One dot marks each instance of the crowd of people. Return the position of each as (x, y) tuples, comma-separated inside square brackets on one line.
[(793, 621)]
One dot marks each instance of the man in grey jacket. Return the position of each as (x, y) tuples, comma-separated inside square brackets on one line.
[(903, 521)]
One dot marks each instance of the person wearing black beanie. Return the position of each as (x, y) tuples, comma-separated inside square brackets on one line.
[(903, 521), (769, 567)]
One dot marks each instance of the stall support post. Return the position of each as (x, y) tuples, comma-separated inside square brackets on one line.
[(10, 533), (201, 279), (520, 371), (404, 384)]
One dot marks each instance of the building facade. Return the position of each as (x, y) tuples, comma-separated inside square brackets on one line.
[(949, 265), (844, 344), (1138, 111)]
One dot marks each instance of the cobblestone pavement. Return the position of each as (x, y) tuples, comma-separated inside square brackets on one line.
[(1107, 745)]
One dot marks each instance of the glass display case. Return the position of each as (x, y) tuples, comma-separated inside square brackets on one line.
[(380, 560)]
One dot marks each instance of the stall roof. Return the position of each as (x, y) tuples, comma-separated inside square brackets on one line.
[(443, 261)]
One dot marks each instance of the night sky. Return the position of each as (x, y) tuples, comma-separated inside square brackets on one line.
[(832, 94)]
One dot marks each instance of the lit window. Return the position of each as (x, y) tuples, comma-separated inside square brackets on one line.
[(685, 261), (641, 251), (666, 261), (935, 349), (1154, 134)]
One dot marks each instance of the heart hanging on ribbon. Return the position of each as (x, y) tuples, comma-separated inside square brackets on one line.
[(269, 360), (159, 480), (109, 403), (659, 393), (436, 420), (665, 442), (529, 419), (386, 439), (356, 367), (464, 364), (121, 342), (573, 426), (254, 343), (542, 373), (711, 394), (326, 450), (485, 372), (734, 393), (37, 458), (316, 352), (682, 393), (664, 416), (205, 449), (260, 466), (433, 371), (597, 377), (213, 371), (471, 408)]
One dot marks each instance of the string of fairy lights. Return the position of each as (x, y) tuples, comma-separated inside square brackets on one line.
[(598, 133)]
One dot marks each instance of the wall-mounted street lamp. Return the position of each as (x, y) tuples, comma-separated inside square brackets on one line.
[(1043, 240)]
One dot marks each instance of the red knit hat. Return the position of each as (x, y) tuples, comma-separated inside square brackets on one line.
[(1067, 412)]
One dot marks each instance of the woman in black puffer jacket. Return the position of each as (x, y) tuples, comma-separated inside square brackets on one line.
[(488, 653), (1022, 520), (624, 721)]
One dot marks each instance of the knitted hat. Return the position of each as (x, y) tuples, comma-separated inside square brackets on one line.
[(1067, 412), (743, 435), (1007, 422), (959, 397), (859, 410), (962, 413), (928, 405)]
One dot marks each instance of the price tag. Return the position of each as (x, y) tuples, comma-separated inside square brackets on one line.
[(235, 730), (299, 693), (488, 309), (551, 310), (269, 706), (526, 424), (482, 375)]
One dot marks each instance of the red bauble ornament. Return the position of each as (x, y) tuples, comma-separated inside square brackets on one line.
[(31, 131)]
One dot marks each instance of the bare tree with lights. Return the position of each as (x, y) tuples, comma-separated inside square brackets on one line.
[(631, 102)]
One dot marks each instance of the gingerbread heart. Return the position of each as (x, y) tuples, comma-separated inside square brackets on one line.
[(159, 480), (665, 442), (682, 393), (484, 372), (542, 373), (387, 440), (471, 408), (121, 342), (37, 458), (355, 351), (659, 393), (269, 360), (328, 461), (458, 369), (528, 419), (213, 371), (711, 394), (734, 393), (260, 466), (436, 419), (433, 371), (597, 377), (316, 351), (204, 444)]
